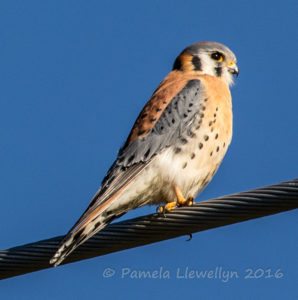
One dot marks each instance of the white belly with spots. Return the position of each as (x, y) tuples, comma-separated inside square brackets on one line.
[(191, 170)]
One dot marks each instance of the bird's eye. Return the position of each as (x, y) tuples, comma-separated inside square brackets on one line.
[(217, 56)]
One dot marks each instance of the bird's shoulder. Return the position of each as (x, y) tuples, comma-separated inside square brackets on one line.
[(173, 83)]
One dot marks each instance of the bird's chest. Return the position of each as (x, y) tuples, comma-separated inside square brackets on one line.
[(207, 143), (210, 135)]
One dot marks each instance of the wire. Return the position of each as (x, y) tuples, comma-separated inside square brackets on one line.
[(154, 228)]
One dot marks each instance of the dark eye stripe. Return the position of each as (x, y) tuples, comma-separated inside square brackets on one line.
[(196, 63)]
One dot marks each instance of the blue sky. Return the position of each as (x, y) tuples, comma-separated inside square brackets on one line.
[(73, 77)]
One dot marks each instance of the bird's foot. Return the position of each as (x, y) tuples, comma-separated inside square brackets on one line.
[(182, 202), (167, 208), (171, 205)]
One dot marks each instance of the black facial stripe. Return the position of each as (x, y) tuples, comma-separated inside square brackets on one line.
[(218, 71), (196, 63), (177, 64)]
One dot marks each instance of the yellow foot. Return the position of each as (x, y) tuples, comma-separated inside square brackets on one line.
[(171, 205), (166, 208), (180, 202)]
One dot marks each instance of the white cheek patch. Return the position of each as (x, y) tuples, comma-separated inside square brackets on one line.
[(208, 64), (227, 77)]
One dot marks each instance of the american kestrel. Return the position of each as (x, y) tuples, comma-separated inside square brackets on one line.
[(175, 146)]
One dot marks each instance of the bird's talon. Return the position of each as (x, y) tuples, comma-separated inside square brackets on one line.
[(190, 201), (160, 210)]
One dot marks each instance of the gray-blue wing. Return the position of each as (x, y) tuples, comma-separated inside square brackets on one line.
[(134, 156)]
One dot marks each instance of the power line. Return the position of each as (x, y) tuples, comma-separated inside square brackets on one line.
[(154, 228)]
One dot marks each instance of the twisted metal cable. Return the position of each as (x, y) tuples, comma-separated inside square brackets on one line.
[(154, 228)]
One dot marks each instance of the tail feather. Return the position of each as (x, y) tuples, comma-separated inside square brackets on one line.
[(97, 216), (81, 232), (75, 238)]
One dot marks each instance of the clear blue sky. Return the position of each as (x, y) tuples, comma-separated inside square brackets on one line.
[(73, 77)]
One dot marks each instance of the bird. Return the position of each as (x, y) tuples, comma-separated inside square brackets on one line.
[(175, 146)]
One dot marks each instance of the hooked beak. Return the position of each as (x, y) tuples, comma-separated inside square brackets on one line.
[(233, 69)]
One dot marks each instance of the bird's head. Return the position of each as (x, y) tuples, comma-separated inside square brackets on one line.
[(209, 58)]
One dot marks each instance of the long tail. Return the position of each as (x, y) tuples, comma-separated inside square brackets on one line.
[(104, 207), (85, 228)]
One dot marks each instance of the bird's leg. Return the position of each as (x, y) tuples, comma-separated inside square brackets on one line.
[(181, 201)]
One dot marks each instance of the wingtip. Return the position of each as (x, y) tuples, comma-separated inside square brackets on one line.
[(66, 247), (74, 239), (56, 260), (61, 254)]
